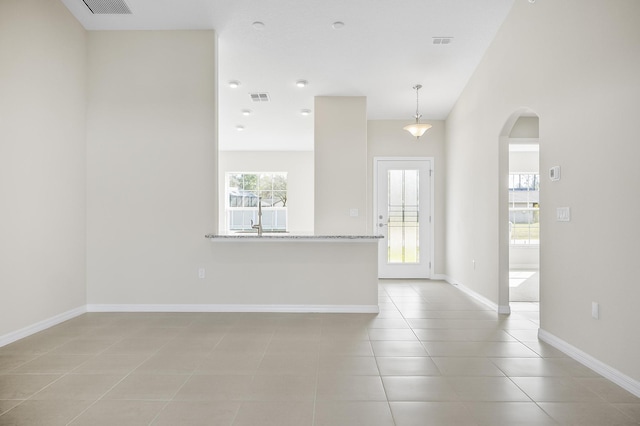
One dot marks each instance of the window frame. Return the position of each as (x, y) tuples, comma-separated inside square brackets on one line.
[(252, 208)]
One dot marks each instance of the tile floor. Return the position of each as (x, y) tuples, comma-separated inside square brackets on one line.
[(524, 285), (433, 356)]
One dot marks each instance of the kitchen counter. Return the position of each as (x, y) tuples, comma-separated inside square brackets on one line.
[(279, 237), (295, 273)]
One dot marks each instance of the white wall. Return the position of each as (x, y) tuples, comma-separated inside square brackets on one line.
[(526, 127), (340, 138), (387, 138), (42, 163), (524, 162), (300, 188), (577, 66), (323, 275), (151, 154)]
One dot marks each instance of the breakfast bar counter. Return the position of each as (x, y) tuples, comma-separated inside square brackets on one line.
[(298, 273), (277, 237)]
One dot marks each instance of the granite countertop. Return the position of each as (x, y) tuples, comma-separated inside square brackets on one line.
[(293, 237)]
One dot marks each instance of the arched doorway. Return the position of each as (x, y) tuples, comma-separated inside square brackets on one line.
[(518, 205)]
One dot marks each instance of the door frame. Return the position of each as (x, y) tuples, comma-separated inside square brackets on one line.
[(431, 240)]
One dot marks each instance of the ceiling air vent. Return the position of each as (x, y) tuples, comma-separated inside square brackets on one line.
[(442, 40), (108, 7), (259, 97)]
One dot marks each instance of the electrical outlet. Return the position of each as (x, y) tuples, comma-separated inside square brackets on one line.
[(474, 264), (595, 310), (201, 273), (354, 212)]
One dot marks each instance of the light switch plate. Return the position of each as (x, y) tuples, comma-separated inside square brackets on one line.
[(354, 213), (563, 214)]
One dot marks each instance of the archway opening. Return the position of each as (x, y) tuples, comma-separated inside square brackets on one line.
[(519, 227)]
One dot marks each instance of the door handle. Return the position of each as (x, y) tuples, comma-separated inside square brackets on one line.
[(380, 225)]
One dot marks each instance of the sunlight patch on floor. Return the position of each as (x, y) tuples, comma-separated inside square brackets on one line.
[(518, 277)]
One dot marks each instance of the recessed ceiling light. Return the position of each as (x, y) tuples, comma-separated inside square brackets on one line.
[(246, 112), (239, 128), (302, 83), (234, 84), (258, 25), (305, 111), (337, 25)]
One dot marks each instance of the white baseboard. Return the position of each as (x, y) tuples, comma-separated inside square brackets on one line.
[(500, 309), (41, 325), (439, 277), (596, 365), (349, 309), (504, 310)]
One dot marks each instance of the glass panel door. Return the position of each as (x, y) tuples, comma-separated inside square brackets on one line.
[(403, 217), (403, 239)]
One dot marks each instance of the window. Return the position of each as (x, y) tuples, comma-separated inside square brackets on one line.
[(243, 193), (524, 208)]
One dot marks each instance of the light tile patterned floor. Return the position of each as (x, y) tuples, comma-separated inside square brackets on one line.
[(433, 356)]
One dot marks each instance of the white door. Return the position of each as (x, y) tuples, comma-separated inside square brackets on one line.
[(403, 210)]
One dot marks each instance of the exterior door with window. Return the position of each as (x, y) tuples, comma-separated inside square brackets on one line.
[(403, 215)]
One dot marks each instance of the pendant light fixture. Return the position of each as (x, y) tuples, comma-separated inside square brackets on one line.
[(417, 129)]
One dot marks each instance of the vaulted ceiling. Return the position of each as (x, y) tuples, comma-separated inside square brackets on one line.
[(374, 48)]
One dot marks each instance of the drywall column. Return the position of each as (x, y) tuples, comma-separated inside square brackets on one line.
[(341, 165)]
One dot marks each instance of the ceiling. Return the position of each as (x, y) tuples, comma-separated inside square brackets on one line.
[(383, 49)]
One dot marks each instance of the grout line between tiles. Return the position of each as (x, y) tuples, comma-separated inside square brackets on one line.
[(119, 381)]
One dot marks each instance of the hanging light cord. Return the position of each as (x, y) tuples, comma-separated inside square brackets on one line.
[(418, 115)]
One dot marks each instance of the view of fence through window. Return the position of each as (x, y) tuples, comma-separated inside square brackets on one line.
[(243, 192), (403, 210), (524, 208)]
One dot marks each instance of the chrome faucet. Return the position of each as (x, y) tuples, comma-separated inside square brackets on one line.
[(258, 226)]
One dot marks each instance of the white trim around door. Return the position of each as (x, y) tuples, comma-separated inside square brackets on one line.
[(410, 216)]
